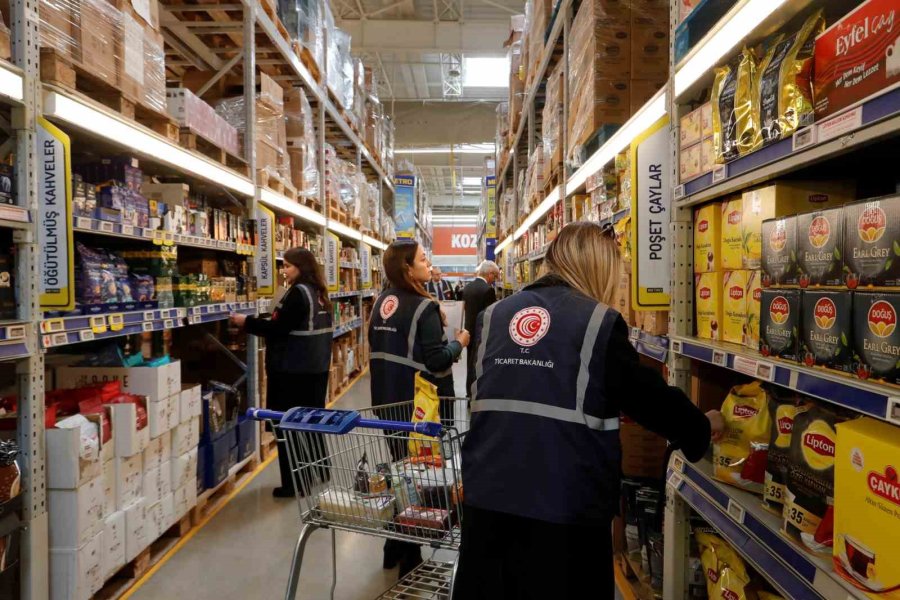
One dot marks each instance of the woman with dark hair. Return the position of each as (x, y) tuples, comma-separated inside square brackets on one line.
[(406, 336), (298, 350)]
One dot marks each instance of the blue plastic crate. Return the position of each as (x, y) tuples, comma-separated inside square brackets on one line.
[(246, 437), (218, 456)]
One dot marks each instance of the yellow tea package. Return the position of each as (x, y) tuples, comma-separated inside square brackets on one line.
[(784, 410), (426, 407), (731, 248), (708, 303), (707, 230), (739, 458), (734, 306), (754, 300), (724, 570)]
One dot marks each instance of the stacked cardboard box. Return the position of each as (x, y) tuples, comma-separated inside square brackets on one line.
[(301, 142), (552, 116), (537, 13), (517, 69)]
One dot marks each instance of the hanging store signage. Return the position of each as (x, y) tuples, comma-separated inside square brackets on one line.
[(332, 262), (490, 230), (509, 270), (405, 206), (365, 266), (54, 219), (455, 240), (266, 278), (651, 190)]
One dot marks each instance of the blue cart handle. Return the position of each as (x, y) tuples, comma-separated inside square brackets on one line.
[(339, 421)]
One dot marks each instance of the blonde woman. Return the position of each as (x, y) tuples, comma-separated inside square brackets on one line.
[(554, 370)]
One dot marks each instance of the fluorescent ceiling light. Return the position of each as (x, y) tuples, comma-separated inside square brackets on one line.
[(542, 209), (279, 202), (474, 181), (128, 136), (374, 243), (456, 149), (342, 229), (499, 248), (486, 72), (11, 84), (649, 114), (724, 41)]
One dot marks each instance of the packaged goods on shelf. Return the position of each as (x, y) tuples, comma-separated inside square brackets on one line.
[(501, 137), (820, 248), (872, 243), (754, 299), (866, 495), (552, 115), (7, 184), (826, 329), (739, 458), (201, 118), (779, 328), (872, 55), (707, 238), (809, 504), (734, 128), (537, 18), (270, 132), (649, 39), (708, 301), (303, 20), (876, 337), (779, 251), (340, 63), (301, 143), (8, 305), (5, 41), (622, 299), (642, 90), (731, 254), (784, 408), (724, 570), (735, 306), (697, 156)]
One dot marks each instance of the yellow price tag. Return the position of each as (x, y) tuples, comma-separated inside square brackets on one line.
[(158, 237), (52, 326), (116, 322), (98, 324), (168, 238)]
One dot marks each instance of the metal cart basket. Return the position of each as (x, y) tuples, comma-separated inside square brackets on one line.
[(375, 472)]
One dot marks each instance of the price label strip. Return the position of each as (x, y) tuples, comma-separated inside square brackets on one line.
[(86, 335), (98, 324), (52, 326), (116, 322)]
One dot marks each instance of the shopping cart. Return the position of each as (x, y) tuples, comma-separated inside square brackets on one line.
[(374, 472)]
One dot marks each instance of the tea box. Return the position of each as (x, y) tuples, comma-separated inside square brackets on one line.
[(707, 230), (876, 337), (754, 297), (779, 252), (734, 309), (826, 329), (872, 243), (731, 248), (820, 248), (708, 302), (779, 321)]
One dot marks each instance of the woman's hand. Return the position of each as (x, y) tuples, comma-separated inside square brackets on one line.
[(237, 319), (716, 424), (463, 337)]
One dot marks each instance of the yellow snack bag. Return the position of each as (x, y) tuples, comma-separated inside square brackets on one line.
[(739, 458), (725, 571), (426, 407), (732, 585)]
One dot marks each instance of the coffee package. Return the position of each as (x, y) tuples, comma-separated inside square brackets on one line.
[(783, 102), (784, 408), (872, 243), (779, 252), (820, 248), (809, 504), (739, 457), (779, 321), (876, 337), (826, 329)]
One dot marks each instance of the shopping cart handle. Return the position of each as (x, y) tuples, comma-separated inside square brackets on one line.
[(424, 427), (261, 414), (338, 422)]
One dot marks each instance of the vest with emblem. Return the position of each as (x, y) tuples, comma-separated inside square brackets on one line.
[(395, 355), (543, 442), (307, 349)]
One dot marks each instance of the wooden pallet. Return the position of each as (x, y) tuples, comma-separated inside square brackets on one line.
[(75, 78), (212, 498), (269, 445), (552, 180), (308, 60), (127, 576), (276, 183), (198, 143), (336, 212)]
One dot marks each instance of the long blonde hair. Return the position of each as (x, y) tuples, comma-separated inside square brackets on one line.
[(586, 256)]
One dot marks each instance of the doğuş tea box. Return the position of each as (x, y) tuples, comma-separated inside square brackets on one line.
[(734, 309), (867, 504), (820, 248), (872, 242), (731, 251), (779, 314), (858, 57), (708, 302), (876, 337), (707, 229), (779, 252), (825, 329), (754, 297)]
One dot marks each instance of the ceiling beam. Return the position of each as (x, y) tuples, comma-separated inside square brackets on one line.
[(388, 35)]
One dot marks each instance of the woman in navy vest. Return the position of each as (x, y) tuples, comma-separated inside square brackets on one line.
[(406, 336), (298, 350), (542, 460)]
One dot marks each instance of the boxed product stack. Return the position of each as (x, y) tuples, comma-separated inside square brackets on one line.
[(201, 119), (340, 77), (517, 67), (534, 181), (303, 20), (342, 182), (537, 20), (696, 157), (224, 439), (552, 115), (119, 43), (301, 143)]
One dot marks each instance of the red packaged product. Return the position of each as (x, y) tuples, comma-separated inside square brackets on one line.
[(141, 410), (421, 521), (857, 57)]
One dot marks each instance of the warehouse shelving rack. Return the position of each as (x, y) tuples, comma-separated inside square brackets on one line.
[(24, 341), (737, 515)]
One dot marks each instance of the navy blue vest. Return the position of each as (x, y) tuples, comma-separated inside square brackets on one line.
[(307, 349), (543, 442), (395, 354)]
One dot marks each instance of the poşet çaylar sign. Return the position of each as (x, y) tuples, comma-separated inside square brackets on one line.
[(265, 258), (332, 277), (651, 208), (57, 260)]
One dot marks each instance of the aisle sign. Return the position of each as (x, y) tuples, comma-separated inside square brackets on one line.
[(266, 276), (332, 261), (54, 218), (509, 268), (651, 190), (365, 266), (405, 206), (490, 230)]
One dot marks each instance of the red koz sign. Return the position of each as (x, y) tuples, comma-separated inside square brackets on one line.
[(455, 241)]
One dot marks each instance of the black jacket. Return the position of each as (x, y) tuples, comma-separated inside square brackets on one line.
[(477, 296), (444, 286)]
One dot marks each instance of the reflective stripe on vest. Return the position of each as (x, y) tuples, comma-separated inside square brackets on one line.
[(312, 313), (527, 407), (410, 345)]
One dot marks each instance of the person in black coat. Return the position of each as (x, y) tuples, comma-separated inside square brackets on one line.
[(437, 287), (298, 352), (477, 296)]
